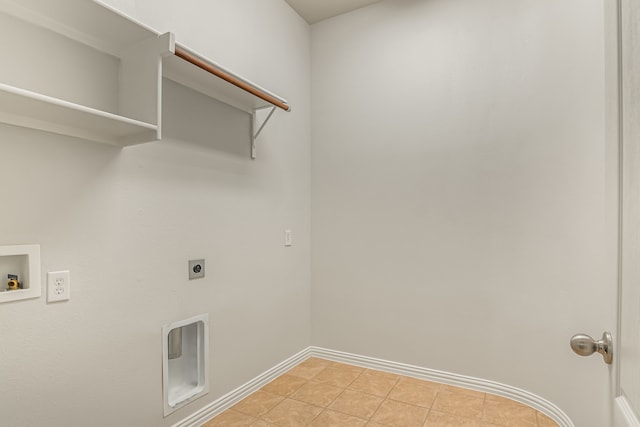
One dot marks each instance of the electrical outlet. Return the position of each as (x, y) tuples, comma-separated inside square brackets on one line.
[(288, 238), (58, 286), (196, 269)]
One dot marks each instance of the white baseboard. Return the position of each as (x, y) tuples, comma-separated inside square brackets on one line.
[(228, 400), (513, 393), (522, 396), (624, 416)]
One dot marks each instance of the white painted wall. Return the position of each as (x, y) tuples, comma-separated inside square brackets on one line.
[(463, 194), (462, 199), (125, 222)]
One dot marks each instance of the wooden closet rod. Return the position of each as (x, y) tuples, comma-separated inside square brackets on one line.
[(229, 78)]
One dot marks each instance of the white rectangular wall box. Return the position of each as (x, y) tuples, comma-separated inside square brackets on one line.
[(185, 374), (22, 261)]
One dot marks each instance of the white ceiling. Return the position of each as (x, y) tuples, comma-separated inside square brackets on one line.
[(317, 10)]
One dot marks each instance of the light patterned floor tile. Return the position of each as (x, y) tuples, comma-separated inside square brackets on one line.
[(334, 419), (544, 421), (285, 385), (291, 413), (394, 413), (382, 374), (318, 394), (372, 399), (494, 398), (440, 419), (308, 369), (258, 403), (414, 393), (373, 384), (337, 377), (460, 390), (316, 361), (509, 414), (458, 404), (357, 404)]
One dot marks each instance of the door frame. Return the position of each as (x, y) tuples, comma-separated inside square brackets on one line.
[(623, 413)]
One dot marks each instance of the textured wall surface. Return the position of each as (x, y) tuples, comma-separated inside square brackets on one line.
[(463, 217), (125, 222)]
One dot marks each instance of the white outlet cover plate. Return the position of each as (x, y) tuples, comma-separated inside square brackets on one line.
[(58, 286)]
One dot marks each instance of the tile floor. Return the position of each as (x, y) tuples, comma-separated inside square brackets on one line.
[(322, 393)]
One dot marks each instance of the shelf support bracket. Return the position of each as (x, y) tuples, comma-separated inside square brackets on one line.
[(254, 135)]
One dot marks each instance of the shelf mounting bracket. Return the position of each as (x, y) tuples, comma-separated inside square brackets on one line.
[(254, 124)]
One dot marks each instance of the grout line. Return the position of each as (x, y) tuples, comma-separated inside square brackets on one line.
[(377, 409), (314, 418)]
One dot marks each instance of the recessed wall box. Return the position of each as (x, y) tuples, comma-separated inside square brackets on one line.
[(19, 272), (185, 362)]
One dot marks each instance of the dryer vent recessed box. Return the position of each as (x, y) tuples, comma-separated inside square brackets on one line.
[(185, 362)]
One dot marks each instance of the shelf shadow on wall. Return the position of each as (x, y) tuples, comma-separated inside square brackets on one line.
[(190, 116)]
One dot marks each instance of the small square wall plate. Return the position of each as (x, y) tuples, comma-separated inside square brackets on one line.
[(196, 269)]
